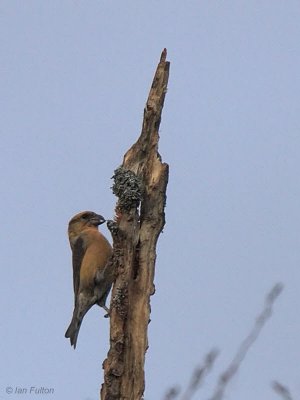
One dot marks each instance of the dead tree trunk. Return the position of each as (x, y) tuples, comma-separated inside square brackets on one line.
[(140, 185)]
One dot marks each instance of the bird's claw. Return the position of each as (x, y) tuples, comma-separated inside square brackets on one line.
[(107, 315)]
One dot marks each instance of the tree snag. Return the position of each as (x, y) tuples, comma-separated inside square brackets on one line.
[(140, 185)]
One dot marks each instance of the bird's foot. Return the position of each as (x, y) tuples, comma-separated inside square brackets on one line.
[(107, 311)]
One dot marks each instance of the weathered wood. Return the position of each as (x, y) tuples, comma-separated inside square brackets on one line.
[(140, 184)]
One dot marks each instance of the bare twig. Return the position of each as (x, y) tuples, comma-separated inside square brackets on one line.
[(197, 378), (199, 374), (172, 393), (282, 390), (242, 351)]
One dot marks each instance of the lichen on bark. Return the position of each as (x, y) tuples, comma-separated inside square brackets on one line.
[(140, 185)]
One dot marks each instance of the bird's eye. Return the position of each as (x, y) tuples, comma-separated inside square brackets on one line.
[(85, 216)]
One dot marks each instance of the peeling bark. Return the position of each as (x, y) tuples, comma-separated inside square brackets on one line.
[(140, 185)]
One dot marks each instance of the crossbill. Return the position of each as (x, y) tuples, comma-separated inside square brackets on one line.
[(90, 254)]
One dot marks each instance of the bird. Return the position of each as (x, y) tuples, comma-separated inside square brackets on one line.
[(92, 281)]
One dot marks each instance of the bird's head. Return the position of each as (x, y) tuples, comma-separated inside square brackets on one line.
[(81, 221)]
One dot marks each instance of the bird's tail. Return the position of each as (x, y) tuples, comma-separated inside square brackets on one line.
[(73, 330), (82, 306)]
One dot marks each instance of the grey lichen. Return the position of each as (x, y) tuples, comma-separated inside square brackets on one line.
[(128, 188), (119, 301), (113, 227)]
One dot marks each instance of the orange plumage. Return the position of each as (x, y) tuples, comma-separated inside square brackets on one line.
[(90, 254)]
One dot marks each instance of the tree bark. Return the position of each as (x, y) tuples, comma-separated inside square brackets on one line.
[(140, 185)]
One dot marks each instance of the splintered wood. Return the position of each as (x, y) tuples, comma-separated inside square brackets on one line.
[(140, 185)]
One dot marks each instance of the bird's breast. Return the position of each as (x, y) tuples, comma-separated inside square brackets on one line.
[(95, 258)]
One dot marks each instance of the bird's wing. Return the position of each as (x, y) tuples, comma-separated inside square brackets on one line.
[(78, 251)]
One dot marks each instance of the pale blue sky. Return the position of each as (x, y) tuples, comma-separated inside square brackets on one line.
[(74, 79)]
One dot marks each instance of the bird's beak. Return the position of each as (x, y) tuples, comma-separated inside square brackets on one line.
[(97, 220)]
